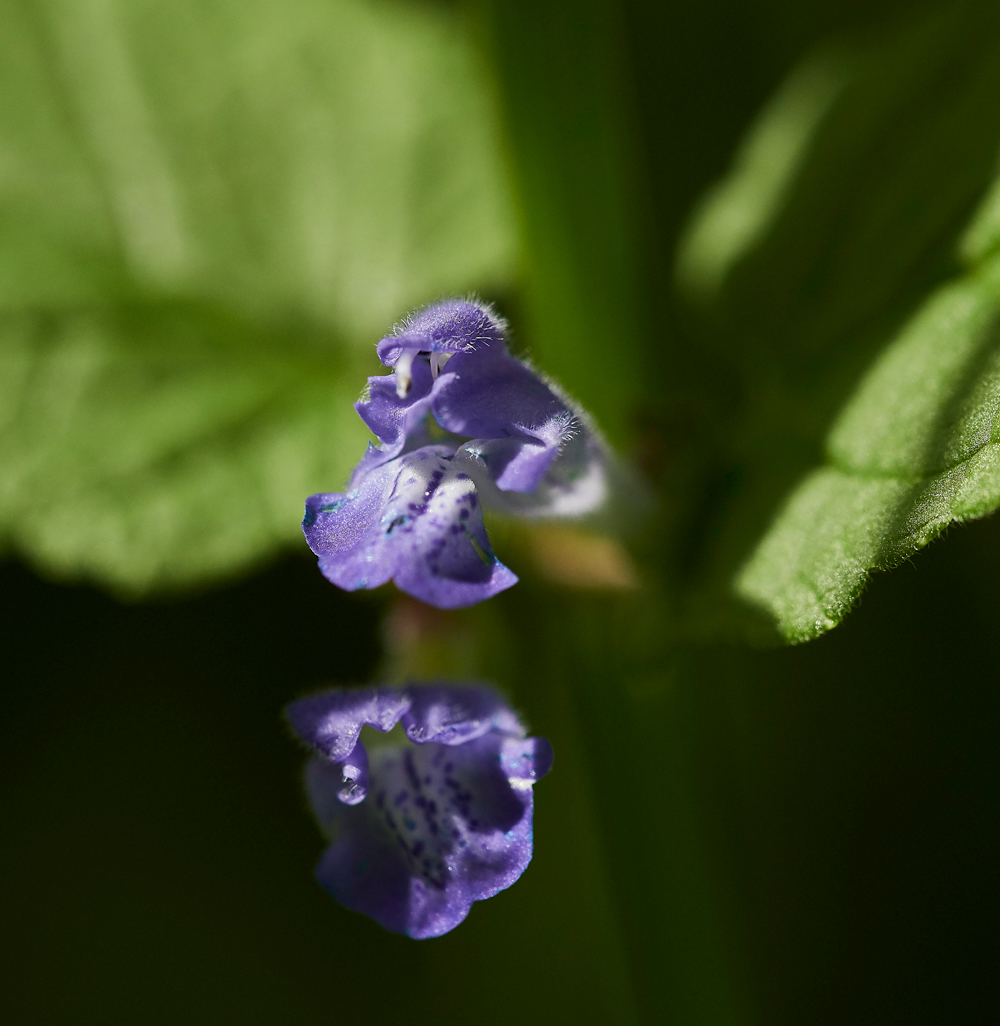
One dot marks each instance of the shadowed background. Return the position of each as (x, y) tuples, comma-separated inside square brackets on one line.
[(158, 856)]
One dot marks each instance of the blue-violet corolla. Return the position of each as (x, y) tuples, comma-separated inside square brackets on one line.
[(423, 826), (461, 424)]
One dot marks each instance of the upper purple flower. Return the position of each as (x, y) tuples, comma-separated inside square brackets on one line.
[(422, 826), (460, 423)]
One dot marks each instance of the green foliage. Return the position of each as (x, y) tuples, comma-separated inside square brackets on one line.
[(913, 447), (210, 212), (916, 448), (734, 216), (156, 447)]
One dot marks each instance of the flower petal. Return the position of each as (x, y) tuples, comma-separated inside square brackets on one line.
[(443, 827), (331, 721), (573, 485), (498, 397), (452, 714), (354, 776), (398, 421), (415, 519), (525, 760), (451, 326)]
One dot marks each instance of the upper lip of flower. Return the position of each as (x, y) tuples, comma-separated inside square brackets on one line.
[(448, 326), (446, 713)]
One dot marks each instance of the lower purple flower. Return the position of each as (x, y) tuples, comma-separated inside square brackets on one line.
[(423, 826)]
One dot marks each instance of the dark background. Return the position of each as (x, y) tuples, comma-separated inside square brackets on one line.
[(158, 855)]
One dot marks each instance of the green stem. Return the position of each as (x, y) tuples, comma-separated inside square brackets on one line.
[(635, 750)]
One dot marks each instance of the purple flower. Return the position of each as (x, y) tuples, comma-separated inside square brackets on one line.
[(429, 822), (461, 424)]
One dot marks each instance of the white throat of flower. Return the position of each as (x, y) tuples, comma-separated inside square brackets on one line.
[(404, 368)]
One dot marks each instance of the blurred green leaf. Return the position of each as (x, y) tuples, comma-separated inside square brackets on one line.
[(983, 235), (208, 214), (901, 133), (734, 216), (158, 447), (899, 150), (916, 448)]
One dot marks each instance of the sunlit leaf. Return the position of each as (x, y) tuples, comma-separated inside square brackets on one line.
[(210, 212), (735, 215), (915, 449), (840, 249)]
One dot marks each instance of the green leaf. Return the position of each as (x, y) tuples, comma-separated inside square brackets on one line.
[(154, 448), (734, 217), (891, 157), (902, 133), (914, 450), (211, 211)]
